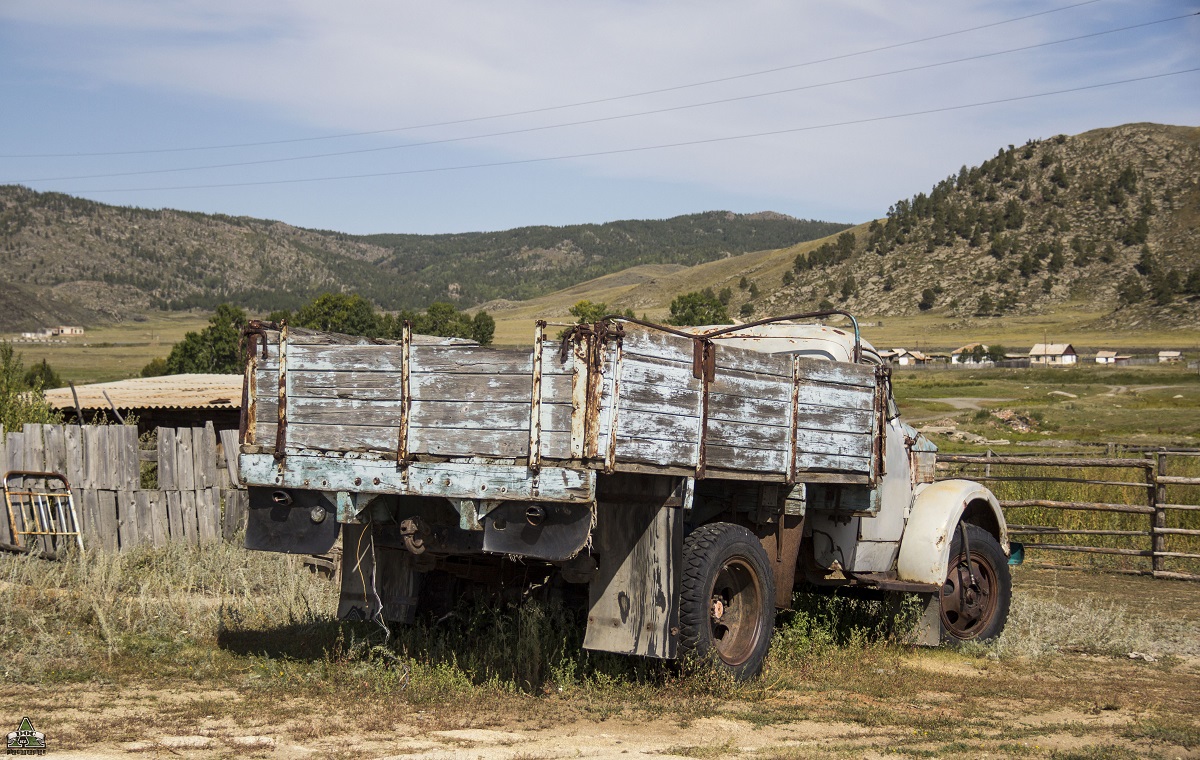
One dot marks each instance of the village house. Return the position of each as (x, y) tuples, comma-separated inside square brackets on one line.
[(1053, 354), (1111, 357), (972, 353), (903, 357), (1170, 357)]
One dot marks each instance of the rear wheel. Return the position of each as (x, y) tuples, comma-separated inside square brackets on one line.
[(727, 599), (976, 596)]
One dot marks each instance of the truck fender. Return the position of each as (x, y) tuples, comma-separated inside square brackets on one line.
[(936, 511)]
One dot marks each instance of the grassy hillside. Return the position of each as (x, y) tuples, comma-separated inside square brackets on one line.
[(66, 259), (1092, 239)]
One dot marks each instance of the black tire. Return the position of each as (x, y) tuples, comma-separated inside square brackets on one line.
[(975, 611), (727, 599)]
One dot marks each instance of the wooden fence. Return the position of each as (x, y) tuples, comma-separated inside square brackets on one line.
[(182, 486), (1142, 490)]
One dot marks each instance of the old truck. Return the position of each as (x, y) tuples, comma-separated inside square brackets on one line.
[(680, 482)]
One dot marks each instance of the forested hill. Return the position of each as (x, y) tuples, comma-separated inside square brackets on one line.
[(531, 261), (66, 259), (1109, 218)]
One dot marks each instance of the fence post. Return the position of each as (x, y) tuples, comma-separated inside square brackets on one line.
[(1158, 497)]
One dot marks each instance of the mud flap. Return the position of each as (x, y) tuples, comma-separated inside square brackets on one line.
[(634, 596), (376, 579), (282, 521), (553, 532)]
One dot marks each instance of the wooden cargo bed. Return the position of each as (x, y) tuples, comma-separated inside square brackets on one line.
[(618, 398)]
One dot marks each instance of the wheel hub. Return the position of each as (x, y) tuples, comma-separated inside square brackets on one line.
[(717, 608)]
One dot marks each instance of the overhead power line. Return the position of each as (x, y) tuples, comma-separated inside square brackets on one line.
[(645, 148), (602, 119), (563, 106)]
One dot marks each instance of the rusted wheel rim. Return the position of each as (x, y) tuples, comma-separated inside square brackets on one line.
[(968, 608), (735, 611)]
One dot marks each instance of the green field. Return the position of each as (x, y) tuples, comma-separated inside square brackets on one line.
[(113, 351)]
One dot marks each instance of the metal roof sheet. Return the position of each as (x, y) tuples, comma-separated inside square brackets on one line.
[(166, 392)]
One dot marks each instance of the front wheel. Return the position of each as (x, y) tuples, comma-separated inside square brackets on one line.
[(727, 599), (975, 597)]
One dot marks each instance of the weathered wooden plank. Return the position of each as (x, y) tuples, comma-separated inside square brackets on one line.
[(167, 442), (835, 397), (56, 448), (5, 532), (95, 457), (829, 442), (128, 529), (632, 423), (185, 477), (35, 448), (204, 457), (819, 371), (819, 419), (14, 455), (741, 435), (831, 462), (748, 360), (338, 438), (342, 411), (758, 411), (207, 446), (73, 441), (156, 516), (90, 517), (445, 479), (650, 397), (654, 344), (469, 442), (668, 453), (233, 517), (106, 519), (131, 463), (173, 504), (742, 458), (190, 516), (208, 516), (229, 450), (472, 359)]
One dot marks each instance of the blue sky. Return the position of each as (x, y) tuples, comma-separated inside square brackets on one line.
[(130, 76)]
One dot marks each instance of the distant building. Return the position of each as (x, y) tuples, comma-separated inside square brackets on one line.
[(68, 330), (903, 357), (1111, 357), (1170, 357), (967, 354), (1053, 354)]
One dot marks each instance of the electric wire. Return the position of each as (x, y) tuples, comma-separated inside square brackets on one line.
[(577, 104), (645, 148), (603, 119)]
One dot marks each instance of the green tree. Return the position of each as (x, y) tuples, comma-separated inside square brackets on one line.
[(725, 296), (698, 308), (156, 368), (214, 349), (1131, 292), (747, 310), (997, 353), (21, 402), (586, 312), (340, 313), (928, 298), (483, 328), (985, 306), (41, 375)]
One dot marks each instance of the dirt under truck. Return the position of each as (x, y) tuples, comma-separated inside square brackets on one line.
[(680, 482)]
